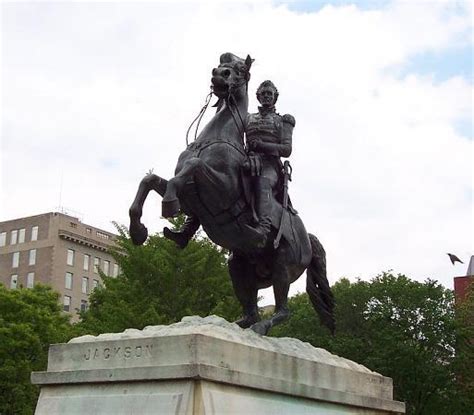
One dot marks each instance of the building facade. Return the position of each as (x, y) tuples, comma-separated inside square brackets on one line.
[(462, 284), (58, 250)]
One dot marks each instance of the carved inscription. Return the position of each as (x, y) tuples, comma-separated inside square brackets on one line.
[(119, 352)]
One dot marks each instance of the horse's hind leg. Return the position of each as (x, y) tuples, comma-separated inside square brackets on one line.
[(138, 231), (281, 285), (283, 274), (245, 287)]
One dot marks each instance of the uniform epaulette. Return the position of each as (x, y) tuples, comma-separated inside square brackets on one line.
[(289, 119)]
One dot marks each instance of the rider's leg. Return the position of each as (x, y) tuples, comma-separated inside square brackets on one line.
[(244, 281), (263, 188), (263, 205), (184, 235)]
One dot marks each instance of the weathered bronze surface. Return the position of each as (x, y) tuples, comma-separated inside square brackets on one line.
[(237, 191)]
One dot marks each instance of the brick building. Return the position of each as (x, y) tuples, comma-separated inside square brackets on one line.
[(58, 250), (462, 284)]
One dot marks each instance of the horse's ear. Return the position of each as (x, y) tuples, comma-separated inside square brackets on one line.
[(248, 61)]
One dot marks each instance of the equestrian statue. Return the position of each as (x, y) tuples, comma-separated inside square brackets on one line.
[(230, 180)]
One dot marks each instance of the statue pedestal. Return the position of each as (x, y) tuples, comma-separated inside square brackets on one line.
[(205, 366)]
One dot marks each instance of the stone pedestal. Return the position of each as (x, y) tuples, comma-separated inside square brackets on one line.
[(205, 366)]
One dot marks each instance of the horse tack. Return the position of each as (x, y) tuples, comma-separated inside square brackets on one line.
[(198, 146), (223, 217)]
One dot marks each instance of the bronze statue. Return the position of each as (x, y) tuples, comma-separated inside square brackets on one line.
[(213, 185), (269, 137)]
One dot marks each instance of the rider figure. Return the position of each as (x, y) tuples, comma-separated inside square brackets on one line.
[(269, 137)]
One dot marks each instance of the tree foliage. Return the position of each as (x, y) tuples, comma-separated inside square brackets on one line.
[(464, 359), (30, 320), (159, 284), (401, 328)]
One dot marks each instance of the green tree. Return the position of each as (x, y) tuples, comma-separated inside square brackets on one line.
[(159, 284), (30, 320), (464, 358), (401, 328)]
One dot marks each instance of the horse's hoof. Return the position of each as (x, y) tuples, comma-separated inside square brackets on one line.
[(170, 208), (138, 233), (179, 238), (262, 327), (246, 321)]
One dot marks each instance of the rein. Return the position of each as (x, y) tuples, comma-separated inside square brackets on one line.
[(199, 117), (231, 96)]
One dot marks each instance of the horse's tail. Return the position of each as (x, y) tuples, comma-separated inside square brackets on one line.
[(317, 285)]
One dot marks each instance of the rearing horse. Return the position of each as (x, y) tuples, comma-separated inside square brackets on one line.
[(209, 185)]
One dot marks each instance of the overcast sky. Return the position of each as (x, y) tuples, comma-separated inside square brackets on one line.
[(96, 94)]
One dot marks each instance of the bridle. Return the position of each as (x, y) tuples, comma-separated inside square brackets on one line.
[(232, 105)]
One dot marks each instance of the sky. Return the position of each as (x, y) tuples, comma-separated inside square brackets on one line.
[(94, 95)]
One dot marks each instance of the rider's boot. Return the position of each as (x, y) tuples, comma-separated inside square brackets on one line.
[(263, 198), (183, 236)]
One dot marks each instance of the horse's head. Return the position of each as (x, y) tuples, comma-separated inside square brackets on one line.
[(231, 74)]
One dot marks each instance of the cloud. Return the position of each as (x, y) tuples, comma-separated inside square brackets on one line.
[(99, 93)]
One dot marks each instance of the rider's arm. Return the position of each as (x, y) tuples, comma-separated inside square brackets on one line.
[(282, 149)]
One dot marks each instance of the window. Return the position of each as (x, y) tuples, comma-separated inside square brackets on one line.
[(73, 225), (15, 259), (14, 237), (67, 303), (116, 270), (70, 257), (21, 236), (88, 230), (102, 235), (32, 257), (85, 285), (68, 280), (95, 284), (106, 267), (13, 281), (34, 233), (96, 265), (87, 259), (30, 280), (3, 239), (83, 305)]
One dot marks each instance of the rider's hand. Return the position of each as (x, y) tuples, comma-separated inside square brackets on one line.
[(254, 144)]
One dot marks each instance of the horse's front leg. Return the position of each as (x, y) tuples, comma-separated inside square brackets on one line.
[(138, 231), (191, 168)]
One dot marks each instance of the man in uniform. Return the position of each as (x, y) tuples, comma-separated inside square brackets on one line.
[(269, 137)]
